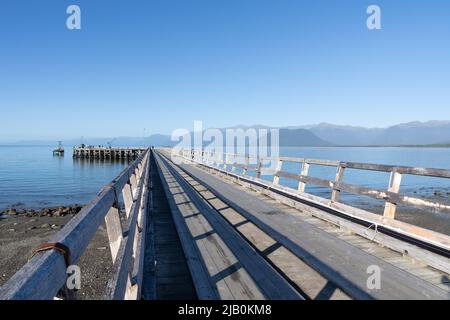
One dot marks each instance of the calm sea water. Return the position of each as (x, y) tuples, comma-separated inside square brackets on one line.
[(32, 177), (431, 188)]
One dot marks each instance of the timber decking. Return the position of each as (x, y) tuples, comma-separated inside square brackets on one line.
[(197, 230), (342, 262), (223, 265), (166, 274)]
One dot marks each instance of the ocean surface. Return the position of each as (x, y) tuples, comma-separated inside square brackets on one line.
[(31, 177), (437, 189), (428, 187)]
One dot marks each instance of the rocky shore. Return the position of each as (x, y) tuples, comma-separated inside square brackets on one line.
[(22, 230), (45, 212)]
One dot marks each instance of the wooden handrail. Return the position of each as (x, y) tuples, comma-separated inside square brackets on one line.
[(45, 274), (391, 196)]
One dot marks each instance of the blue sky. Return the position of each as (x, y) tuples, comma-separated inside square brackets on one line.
[(160, 65)]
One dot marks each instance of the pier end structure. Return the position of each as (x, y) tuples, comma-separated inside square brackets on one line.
[(101, 152)]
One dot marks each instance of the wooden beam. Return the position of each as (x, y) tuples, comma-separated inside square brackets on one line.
[(394, 187), (247, 162), (114, 229), (288, 195), (339, 176), (304, 172), (258, 168), (429, 172), (276, 176)]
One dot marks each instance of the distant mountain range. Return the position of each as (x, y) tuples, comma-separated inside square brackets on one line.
[(412, 133), (323, 134), (300, 137)]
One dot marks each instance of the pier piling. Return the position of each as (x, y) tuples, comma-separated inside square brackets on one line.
[(107, 153)]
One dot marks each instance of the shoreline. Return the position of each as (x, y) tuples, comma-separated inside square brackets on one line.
[(55, 211), (22, 230)]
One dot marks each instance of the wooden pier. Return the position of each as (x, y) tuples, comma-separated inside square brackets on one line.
[(107, 153), (204, 228)]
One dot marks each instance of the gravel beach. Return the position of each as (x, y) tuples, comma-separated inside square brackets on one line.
[(25, 230)]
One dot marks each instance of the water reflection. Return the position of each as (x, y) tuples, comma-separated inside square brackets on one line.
[(38, 179), (93, 162)]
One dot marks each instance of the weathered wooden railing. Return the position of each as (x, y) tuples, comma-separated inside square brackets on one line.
[(45, 274), (391, 196)]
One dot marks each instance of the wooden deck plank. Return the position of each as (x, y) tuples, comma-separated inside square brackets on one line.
[(314, 244), (204, 287), (256, 236), (232, 216), (312, 284), (164, 260), (218, 247), (275, 286), (198, 227)]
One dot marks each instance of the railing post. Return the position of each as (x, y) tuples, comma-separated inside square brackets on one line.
[(394, 186), (225, 161), (217, 158), (233, 165), (114, 230), (212, 159), (304, 172), (127, 194), (134, 282), (114, 226), (133, 182), (276, 178), (137, 174), (258, 167), (247, 162), (139, 171), (335, 193)]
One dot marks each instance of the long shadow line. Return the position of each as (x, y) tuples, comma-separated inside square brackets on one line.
[(173, 171), (326, 270)]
